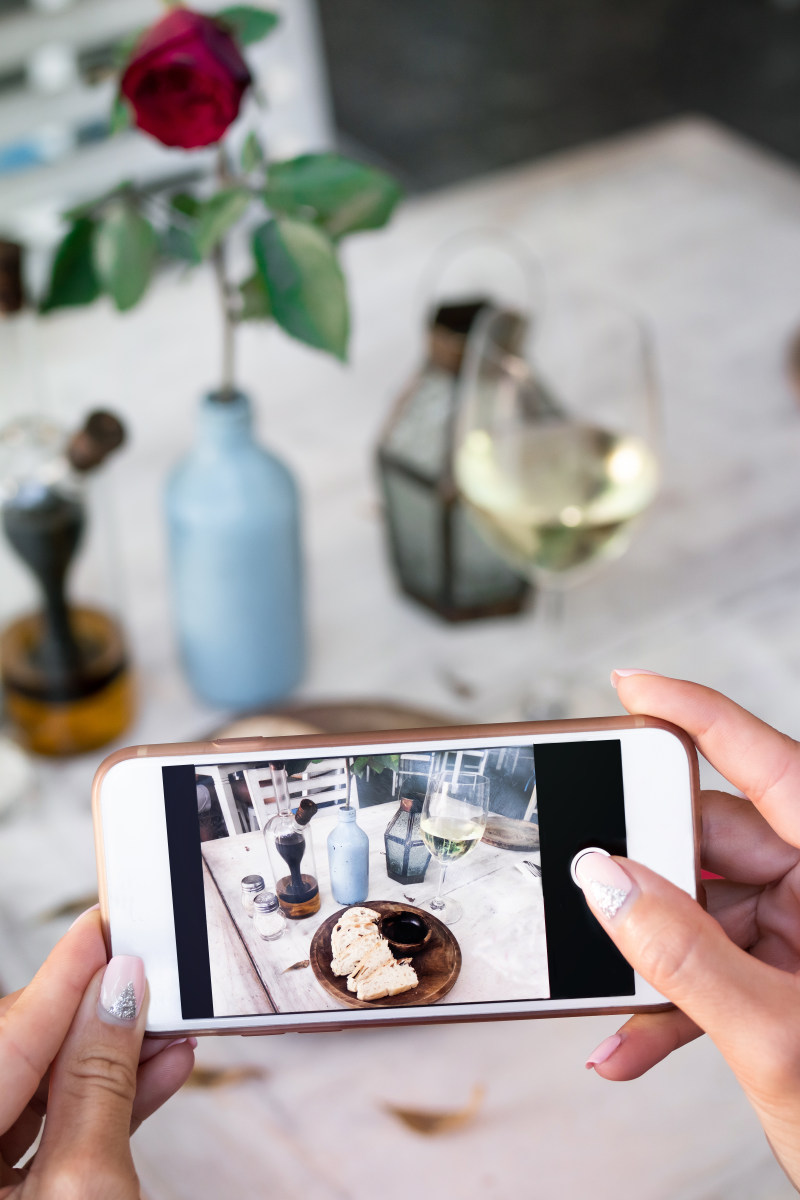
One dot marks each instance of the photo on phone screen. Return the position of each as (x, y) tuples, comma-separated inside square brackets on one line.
[(255, 879)]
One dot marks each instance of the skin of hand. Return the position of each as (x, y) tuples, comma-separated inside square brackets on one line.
[(732, 971), (96, 1077)]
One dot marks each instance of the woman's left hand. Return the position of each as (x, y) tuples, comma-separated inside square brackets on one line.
[(48, 1065)]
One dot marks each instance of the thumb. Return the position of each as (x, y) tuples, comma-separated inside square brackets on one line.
[(746, 1006), (86, 1140)]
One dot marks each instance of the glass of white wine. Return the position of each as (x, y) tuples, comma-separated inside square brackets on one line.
[(453, 820), (555, 454)]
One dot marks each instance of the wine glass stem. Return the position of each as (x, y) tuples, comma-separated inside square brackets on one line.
[(549, 700), (439, 902)]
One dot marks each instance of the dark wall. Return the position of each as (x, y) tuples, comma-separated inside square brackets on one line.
[(445, 89)]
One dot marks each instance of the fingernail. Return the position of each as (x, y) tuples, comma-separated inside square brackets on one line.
[(624, 672), (190, 1041), (122, 990), (603, 1052), (604, 881), (83, 914)]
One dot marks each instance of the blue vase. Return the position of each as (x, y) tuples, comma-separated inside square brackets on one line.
[(348, 859), (234, 535)]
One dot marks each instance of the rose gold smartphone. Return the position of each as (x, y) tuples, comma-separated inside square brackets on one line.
[(386, 878)]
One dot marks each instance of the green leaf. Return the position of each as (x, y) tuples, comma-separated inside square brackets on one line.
[(125, 247), (217, 215), (255, 301), (344, 195), (186, 204), (360, 765), (121, 117), (252, 154), (73, 279), (248, 24), (175, 242), (304, 281)]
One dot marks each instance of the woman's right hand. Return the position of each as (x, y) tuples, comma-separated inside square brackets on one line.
[(734, 971)]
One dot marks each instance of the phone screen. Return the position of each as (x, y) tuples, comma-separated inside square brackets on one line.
[(307, 933)]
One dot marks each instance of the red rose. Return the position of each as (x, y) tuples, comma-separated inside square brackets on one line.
[(185, 80)]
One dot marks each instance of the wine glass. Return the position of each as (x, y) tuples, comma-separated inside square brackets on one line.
[(453, 820), (555, 453)]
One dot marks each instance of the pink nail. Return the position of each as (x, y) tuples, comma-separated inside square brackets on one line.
[(603, 1052), (83, 914), (624, 672), (122, 990), (604, 882)]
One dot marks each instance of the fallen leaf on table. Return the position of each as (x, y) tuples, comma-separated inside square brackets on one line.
[(214, 1077), (409, 898), (430, 1123), (305, 962), (70, 908)]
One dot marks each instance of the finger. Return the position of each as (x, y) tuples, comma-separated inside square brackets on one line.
[(687, 957), (34, 1026), (643, 1041), (93, 1084), (735, 907), (151, 1046), (739, 843), (161, 1077), (757, 759)]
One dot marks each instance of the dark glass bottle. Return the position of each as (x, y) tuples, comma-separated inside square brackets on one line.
[(290, 849), (64, 665)]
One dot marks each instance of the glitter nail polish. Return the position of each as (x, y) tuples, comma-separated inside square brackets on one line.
[(122, 989), (604, 881)]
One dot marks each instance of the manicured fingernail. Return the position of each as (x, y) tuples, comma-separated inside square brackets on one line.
[(603, 1052), (604, 881), (122, 990), (83, 914), (623, 672)]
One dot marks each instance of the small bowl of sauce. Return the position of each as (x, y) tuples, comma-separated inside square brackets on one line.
[(406, 932)]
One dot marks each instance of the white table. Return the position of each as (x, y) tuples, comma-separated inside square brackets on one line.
[(703, 233)]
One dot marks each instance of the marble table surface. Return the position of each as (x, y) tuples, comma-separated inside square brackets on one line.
[(701, 232)]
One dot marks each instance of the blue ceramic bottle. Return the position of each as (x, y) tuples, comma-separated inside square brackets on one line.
[(348, 859), (234, 535)]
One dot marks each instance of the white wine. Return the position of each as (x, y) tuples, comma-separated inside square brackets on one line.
[(559, 496), (449, 838)]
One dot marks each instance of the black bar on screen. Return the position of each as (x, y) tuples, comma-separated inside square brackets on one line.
[(581, 803), (188, 896)]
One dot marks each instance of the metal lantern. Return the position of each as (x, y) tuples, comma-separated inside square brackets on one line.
[(407, 856), (438, 556)]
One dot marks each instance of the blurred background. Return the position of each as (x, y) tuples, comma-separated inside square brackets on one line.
[(646, 155)]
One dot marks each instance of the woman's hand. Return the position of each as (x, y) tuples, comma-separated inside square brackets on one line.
[(64, 1052), (731, 971)]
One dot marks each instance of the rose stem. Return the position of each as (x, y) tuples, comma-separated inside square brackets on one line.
[(226, 391)]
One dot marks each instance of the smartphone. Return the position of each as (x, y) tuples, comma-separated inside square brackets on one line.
[(348, 928)]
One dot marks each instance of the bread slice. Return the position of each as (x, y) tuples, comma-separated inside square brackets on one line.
[(358, 915), (379, 955), (347, 958), (389, 980)]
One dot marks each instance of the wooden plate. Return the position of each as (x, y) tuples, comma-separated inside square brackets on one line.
[(344, 716), (509, 834), (437, 966)]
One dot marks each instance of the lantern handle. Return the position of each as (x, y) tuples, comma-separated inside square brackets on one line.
[(509, 244)]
